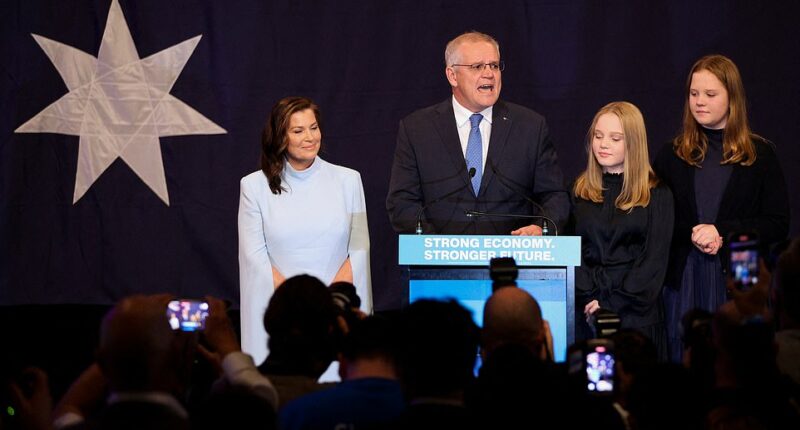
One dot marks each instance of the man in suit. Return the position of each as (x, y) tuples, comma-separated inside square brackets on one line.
[(475, 152)]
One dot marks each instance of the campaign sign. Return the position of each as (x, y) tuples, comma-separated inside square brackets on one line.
[(466, 250)]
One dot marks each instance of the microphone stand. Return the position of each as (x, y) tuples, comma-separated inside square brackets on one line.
[(502, 179), (476, 214), (418, 230)]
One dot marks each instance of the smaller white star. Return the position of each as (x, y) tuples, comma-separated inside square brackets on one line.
[(119, 105)]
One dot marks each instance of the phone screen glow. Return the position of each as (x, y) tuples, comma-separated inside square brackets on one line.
[(600, 370), (744, 262), (187, 315)]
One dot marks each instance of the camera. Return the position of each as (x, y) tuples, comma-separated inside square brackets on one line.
[(744, 260), (604, 323), (187, 314), (504, 272), (346, 300)]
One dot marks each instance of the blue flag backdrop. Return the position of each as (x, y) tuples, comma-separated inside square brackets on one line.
[(120, 158)]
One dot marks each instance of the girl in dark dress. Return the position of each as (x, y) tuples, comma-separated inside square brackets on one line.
[(725, 179), (624, 217)]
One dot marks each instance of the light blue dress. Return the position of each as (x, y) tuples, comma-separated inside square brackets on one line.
[(311, 228)]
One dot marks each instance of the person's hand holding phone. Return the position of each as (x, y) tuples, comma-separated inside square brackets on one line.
[(31, 400), (754, 301), (219, 335), (86, 395)]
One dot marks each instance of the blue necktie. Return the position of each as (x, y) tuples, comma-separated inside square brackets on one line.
[(474, 155)]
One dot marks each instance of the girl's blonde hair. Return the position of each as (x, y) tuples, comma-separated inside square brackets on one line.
[(638, 176)]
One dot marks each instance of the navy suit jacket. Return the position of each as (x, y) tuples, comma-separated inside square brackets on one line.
[(429, 171)]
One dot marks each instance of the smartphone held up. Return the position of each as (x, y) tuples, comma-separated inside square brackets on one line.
[(592, 363), (744, 260)]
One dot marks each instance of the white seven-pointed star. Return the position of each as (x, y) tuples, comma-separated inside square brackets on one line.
[(119, 105)]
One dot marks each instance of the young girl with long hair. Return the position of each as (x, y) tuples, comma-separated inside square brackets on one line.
[(725, 180), (624, 216)]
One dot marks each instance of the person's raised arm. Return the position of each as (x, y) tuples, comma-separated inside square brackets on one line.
[(237, 367)]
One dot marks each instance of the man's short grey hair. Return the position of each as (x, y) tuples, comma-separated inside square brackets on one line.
[(450, 52)]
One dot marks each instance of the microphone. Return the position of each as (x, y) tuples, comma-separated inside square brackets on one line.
[(542, 217), (437, 200), (475, 214)]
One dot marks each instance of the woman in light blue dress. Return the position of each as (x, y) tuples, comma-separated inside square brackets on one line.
[(297, 215)]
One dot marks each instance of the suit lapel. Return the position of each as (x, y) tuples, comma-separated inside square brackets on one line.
[(448, 133), (501, 124)]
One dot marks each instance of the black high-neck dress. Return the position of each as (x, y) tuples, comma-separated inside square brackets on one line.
[(624, 258)]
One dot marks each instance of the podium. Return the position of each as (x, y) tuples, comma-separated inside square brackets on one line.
[(457, 267)]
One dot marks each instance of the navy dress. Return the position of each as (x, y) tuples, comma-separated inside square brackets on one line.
[(624, 258)]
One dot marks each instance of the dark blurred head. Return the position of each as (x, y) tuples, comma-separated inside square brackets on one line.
[(438, 348), (511, 315), (787, 287), (663, 397), (634, 354), (746, 366), (374, 336), (139, 351), (369, 350), (300, 321), (234, 407), (745, 348), (698, 346), (515, 386), (634, 351), (696, 328)]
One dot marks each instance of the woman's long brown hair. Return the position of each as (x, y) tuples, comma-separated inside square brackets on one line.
[(273, 138), (737, 144)]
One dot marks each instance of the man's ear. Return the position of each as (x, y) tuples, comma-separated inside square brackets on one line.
[(451, 76)]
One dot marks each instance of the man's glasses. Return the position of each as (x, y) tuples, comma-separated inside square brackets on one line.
[(479, 67)]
